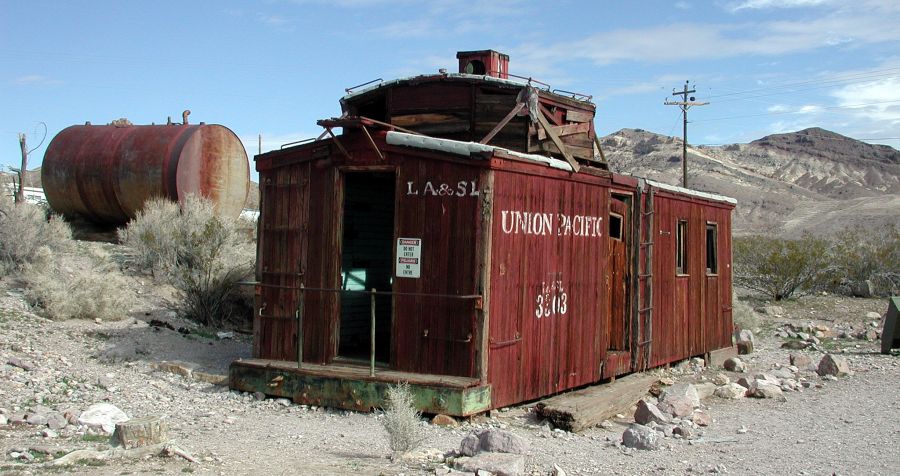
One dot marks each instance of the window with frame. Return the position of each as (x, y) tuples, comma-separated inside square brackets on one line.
[(616, 228), (712, 249), (681, 256)]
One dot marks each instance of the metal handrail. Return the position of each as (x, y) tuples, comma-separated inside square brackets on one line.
[(298, 314), (351, 88)]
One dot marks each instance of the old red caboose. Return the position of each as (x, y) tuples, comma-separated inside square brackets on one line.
[(464, 234)]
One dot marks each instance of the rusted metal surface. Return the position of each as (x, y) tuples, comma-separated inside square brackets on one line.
[(106, 173)]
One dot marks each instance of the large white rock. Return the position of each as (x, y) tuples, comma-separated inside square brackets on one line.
[(731, 391), (103, 416)]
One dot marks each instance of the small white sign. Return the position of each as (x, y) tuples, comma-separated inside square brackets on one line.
[(409, 257)]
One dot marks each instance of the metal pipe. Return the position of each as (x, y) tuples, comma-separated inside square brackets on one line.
[(372, 336), (299, 316)]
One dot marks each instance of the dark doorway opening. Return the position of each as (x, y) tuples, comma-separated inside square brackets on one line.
[(366, 263)]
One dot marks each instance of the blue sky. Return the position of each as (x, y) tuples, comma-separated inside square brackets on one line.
[(275, 67)]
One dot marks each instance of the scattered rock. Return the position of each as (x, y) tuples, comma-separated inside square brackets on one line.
[(721, 379), (557, 471), (3, 420), (744, 341), (640, 437), (765, 389), (48, 433), (795, 345), (705, 389), (500, 464), (802, 361), (648, 412), (873, 315), (57, 421), (259, 396), (685, 431), (731, 391), (771, 310), (22, 364), (493, 440), (444, 420), (701, 418), (103, 416), (833, 365), (734, 364), (36, 419)]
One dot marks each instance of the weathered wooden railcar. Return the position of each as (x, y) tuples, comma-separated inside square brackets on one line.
[(492, 261)]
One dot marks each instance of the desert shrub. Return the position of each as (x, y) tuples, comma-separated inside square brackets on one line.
[(868, 254), (743, 314), (781, 268), (84, 287), (402, 421), (24, 230), (200, 253)]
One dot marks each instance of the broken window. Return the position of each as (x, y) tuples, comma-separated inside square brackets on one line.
[(712, 251), (681, 257)]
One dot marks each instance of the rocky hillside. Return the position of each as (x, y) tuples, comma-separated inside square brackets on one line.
[(811, 180)]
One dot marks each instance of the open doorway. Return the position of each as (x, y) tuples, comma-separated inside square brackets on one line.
[(366, 263)]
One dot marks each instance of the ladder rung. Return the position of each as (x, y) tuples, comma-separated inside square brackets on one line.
[(645, 309), (648, 275), (647, 243)]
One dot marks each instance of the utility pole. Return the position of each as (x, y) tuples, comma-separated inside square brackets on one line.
[(685, 104), (20, 192)]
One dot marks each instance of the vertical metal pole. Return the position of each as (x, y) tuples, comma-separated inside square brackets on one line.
[(299, 316), (372, 336)]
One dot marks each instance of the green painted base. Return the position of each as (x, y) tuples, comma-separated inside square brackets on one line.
[(354, 392)]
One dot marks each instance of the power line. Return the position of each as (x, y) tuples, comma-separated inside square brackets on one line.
[(837, 79), (685, 104), (798, 111)]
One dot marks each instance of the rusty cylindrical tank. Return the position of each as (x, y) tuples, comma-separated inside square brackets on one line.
[(106, 173)]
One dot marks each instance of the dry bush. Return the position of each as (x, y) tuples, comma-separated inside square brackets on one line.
[(402, 420), (201, 254), (868, 254), (781, 268), (743, 314), (86, 286), (25, 229)]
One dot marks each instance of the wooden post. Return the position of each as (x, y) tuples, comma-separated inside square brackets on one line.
[(372, 337), (20, 192)]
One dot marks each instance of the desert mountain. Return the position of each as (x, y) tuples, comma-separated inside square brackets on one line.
[(811, 180)]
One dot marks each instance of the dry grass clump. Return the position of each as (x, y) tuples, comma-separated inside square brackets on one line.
[(85, 286), (201, 254), (24, 230), (402, 420), (743, 314)]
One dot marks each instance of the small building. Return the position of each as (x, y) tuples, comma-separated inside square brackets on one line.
[(464, 234)]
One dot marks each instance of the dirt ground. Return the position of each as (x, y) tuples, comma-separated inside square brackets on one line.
[(844, 426)]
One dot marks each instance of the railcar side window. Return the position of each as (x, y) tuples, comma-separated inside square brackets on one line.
[(681, 256), (712, 251), (616, 231)]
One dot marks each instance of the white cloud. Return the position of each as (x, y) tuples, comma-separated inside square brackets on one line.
[(683, 5), (872, 101), (420, 27), (766, 4), (273, 20), (35, 80)]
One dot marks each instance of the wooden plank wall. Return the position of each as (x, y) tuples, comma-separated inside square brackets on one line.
[(438, 202), (691, 312), (537, 348), (290, 255)]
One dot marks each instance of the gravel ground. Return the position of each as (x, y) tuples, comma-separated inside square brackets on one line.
[(844, 426)]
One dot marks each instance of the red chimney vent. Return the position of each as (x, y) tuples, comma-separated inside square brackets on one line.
[(484, 62)]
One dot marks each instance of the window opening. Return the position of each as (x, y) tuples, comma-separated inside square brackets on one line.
[(616, 231), (681, 257), (712, 251)]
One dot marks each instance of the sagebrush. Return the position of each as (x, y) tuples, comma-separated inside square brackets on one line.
[(24, 230), (868, 255), (83, 286), (781, 268), (402, 421), (203, 255)]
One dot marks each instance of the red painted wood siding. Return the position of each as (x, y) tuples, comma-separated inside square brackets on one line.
[(529, 356)]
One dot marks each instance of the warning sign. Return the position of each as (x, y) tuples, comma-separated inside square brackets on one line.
[(409, 257)]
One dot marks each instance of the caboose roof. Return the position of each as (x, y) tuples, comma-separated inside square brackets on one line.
[(467, 149)]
